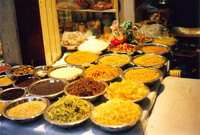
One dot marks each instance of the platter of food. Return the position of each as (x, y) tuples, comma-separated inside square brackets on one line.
[(123, 48)]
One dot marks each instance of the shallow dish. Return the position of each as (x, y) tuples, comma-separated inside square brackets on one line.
[(127, 90), (4, 67), (149, 60), (123, 48), (25, 81), (6, 80), (25, 100), (113, 57), (93, 45), (49, 88), (12, 93), (97, 72), (116, 112), (2, 104), (84, 85), (81, 58), (68, 124), (21, 70), (41, 71), (66, 72), (143, 72), (155, 48)]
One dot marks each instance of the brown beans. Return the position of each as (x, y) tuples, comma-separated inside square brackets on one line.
[(46, 88), (85, 87)]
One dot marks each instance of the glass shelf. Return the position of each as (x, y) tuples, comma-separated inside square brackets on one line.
[(90, 10)]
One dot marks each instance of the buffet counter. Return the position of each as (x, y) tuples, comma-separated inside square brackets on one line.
[(176, 111), (42, 127)]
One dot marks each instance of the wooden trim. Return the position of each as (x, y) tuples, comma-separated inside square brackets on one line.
[(50, 30)]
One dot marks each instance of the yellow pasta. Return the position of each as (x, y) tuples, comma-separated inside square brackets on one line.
[(141, 74), (101, 72), (126, 90), (116, 112), (155, 49), (166, 40), (115, 59), (149, 60)]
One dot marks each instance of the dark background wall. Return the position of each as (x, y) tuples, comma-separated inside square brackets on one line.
[(30, 32)]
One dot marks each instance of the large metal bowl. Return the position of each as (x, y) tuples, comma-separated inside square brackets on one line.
[(12, 79), (112, 54), (65, 124), (5, 64), (160, 52), (50, 81), (149, 82), (86, 64), (20, 70), (109, 79), (129, 51), (69, 76), (10, 94), (24, 100), (116, 128), (144, 62), (41, 71), (133, 100), (1, 107), (89, 98), (24, 82)]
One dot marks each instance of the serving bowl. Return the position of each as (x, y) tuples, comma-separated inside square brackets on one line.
[(12, 93), (149, 60), (25, 81), (20, 70), (41, 71), (81, 58), (29, 108), (124, 48), (114, 59), (93, 45), (49, 88), (171, 41), (86, 88), (69, 107), (6, 80), (103, 72), (116, 115), (155, 48), (127, 90), (2, 104), (146, 75), (4, 67), (66, 72)]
